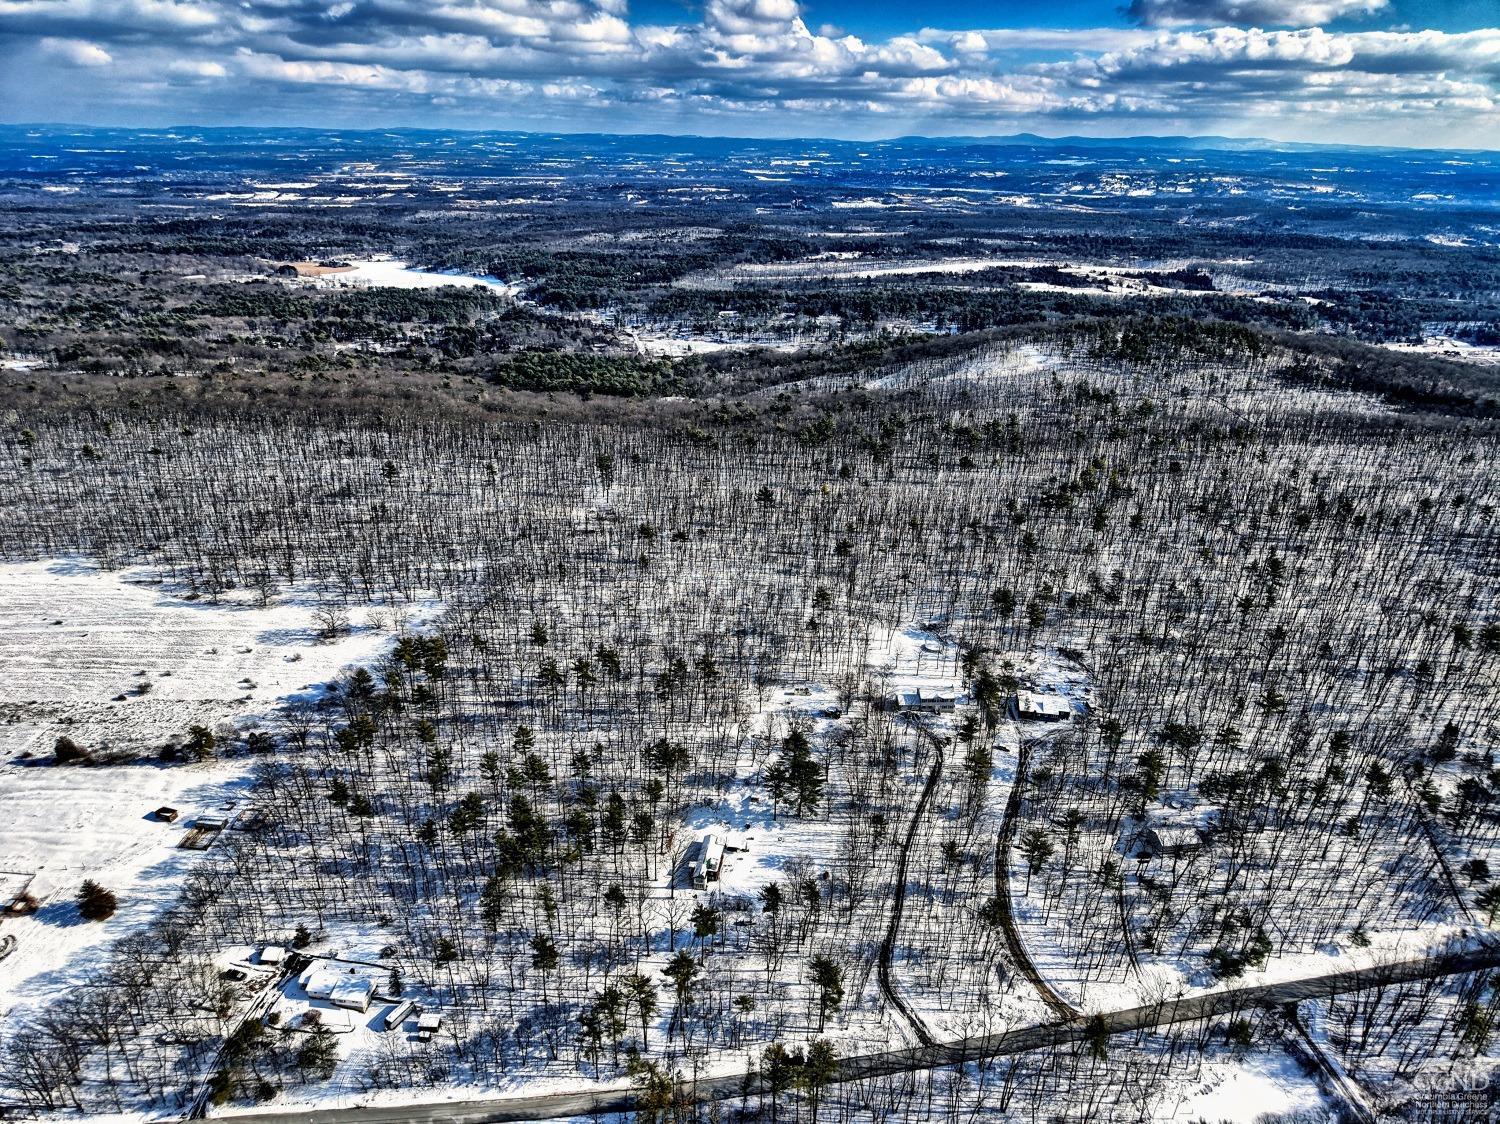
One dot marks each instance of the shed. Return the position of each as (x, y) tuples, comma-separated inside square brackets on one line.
[(1037, 707), (427, 1026), (710, 861), (272, 954)]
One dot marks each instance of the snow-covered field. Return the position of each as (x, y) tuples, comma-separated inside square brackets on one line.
[(79, 644), (389, 273)]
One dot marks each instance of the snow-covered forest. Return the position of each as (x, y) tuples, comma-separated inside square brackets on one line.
[(1073, 676)]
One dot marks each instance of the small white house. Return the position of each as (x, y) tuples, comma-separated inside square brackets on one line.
[(341, 987), (1036, 707), (353, 994), (710, 862)]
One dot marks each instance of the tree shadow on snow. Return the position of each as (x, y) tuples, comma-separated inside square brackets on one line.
[(59, 914)]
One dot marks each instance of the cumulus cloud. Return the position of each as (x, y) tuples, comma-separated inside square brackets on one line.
[(525, 61)]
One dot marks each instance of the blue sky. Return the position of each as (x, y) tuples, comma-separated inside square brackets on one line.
[(1413, 72)]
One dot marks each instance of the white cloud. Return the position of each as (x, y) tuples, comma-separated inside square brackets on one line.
[(748, 59), (198, 68), (76, 52), (103, 18), (1249, 13), (751, 17)]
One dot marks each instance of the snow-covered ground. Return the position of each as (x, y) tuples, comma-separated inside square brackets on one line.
[(1261, 1085), (74, 639), (845, 268)]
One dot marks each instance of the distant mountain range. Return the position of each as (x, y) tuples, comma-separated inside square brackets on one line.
[(703, 144)]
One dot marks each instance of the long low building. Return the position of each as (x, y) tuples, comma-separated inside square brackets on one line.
[(710, 862), (933, 700)]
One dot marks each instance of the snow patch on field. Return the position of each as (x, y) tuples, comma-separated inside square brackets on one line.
[(73, 639)]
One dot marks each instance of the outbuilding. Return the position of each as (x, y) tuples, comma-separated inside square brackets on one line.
[(398, 1014)]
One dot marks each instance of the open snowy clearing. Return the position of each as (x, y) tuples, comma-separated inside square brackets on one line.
[(75, 639), (1445, 347), (1262, 1084)]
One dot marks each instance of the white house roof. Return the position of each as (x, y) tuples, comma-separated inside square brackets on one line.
[(351, 991), (713, 850), (319, 980)]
